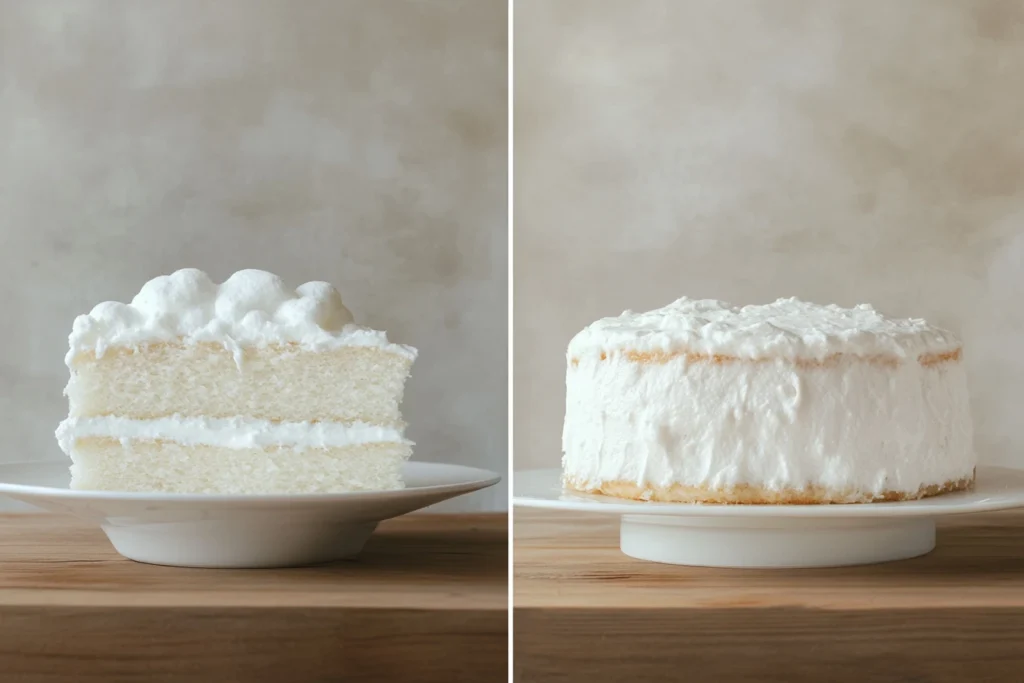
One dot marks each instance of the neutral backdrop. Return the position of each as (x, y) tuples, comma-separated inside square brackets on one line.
[(746, 150), (362, 143)]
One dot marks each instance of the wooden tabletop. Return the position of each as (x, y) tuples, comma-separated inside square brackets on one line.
[(425, 601), (584, 611)]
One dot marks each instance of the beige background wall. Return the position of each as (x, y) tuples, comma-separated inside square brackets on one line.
[(358, 142), (745, 150)]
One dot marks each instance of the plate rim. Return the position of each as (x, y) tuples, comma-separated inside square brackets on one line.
[(936, 506), (484, 479)]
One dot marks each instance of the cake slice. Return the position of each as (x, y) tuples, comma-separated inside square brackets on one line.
[(245, 387)]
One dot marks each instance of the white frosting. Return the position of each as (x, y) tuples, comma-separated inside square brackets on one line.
[(857, 426), (226, 432), (251, 308), (787, 328)]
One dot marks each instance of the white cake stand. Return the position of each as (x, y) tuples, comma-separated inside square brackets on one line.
[(272, 530), (776, 535)]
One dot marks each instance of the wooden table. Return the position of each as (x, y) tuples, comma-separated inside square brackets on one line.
[(586, 612), (426, 601)]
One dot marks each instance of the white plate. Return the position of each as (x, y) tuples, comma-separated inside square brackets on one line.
[(776, 535), (207, 530)]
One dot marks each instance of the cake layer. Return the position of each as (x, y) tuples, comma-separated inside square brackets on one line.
[(278, 383), (107, 464), (643, 424)]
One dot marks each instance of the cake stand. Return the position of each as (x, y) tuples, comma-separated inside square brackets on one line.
[(776, 535), (255, 530)]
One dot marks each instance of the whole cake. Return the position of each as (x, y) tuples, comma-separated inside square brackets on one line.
[(784, 403), (243, 387)]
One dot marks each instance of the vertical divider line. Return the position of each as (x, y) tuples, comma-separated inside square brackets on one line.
[(509, 100)]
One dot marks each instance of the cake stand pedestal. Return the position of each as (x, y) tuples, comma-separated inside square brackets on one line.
[(768, 536), (238, 531), (253, 542), (773, 542)]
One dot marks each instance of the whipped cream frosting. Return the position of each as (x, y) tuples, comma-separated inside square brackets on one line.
[(250, 308), (226, 432), (786, 328), (856, 427)]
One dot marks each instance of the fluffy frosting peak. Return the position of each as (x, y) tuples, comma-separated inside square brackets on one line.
[(787, 328), (250, 308)]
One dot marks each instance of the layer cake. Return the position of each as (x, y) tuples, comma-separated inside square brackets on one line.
[(784, 403)]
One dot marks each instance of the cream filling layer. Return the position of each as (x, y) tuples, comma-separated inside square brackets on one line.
[(235, 432)]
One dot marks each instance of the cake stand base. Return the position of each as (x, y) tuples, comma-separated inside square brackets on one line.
[(238, 543), (774, 542)]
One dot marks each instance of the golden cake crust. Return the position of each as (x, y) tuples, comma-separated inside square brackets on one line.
[(662, 357), (758, 495)]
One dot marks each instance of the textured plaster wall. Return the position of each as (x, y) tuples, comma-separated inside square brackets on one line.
[(838, 151), (363, 143)]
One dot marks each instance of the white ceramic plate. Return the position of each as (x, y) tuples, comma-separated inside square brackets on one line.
[(776, 535), (238, 530)]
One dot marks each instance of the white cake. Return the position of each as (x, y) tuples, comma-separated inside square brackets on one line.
[(789, 402), (245, 387)]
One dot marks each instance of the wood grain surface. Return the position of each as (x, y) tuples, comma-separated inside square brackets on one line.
[(425, 601), (586, 612)]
